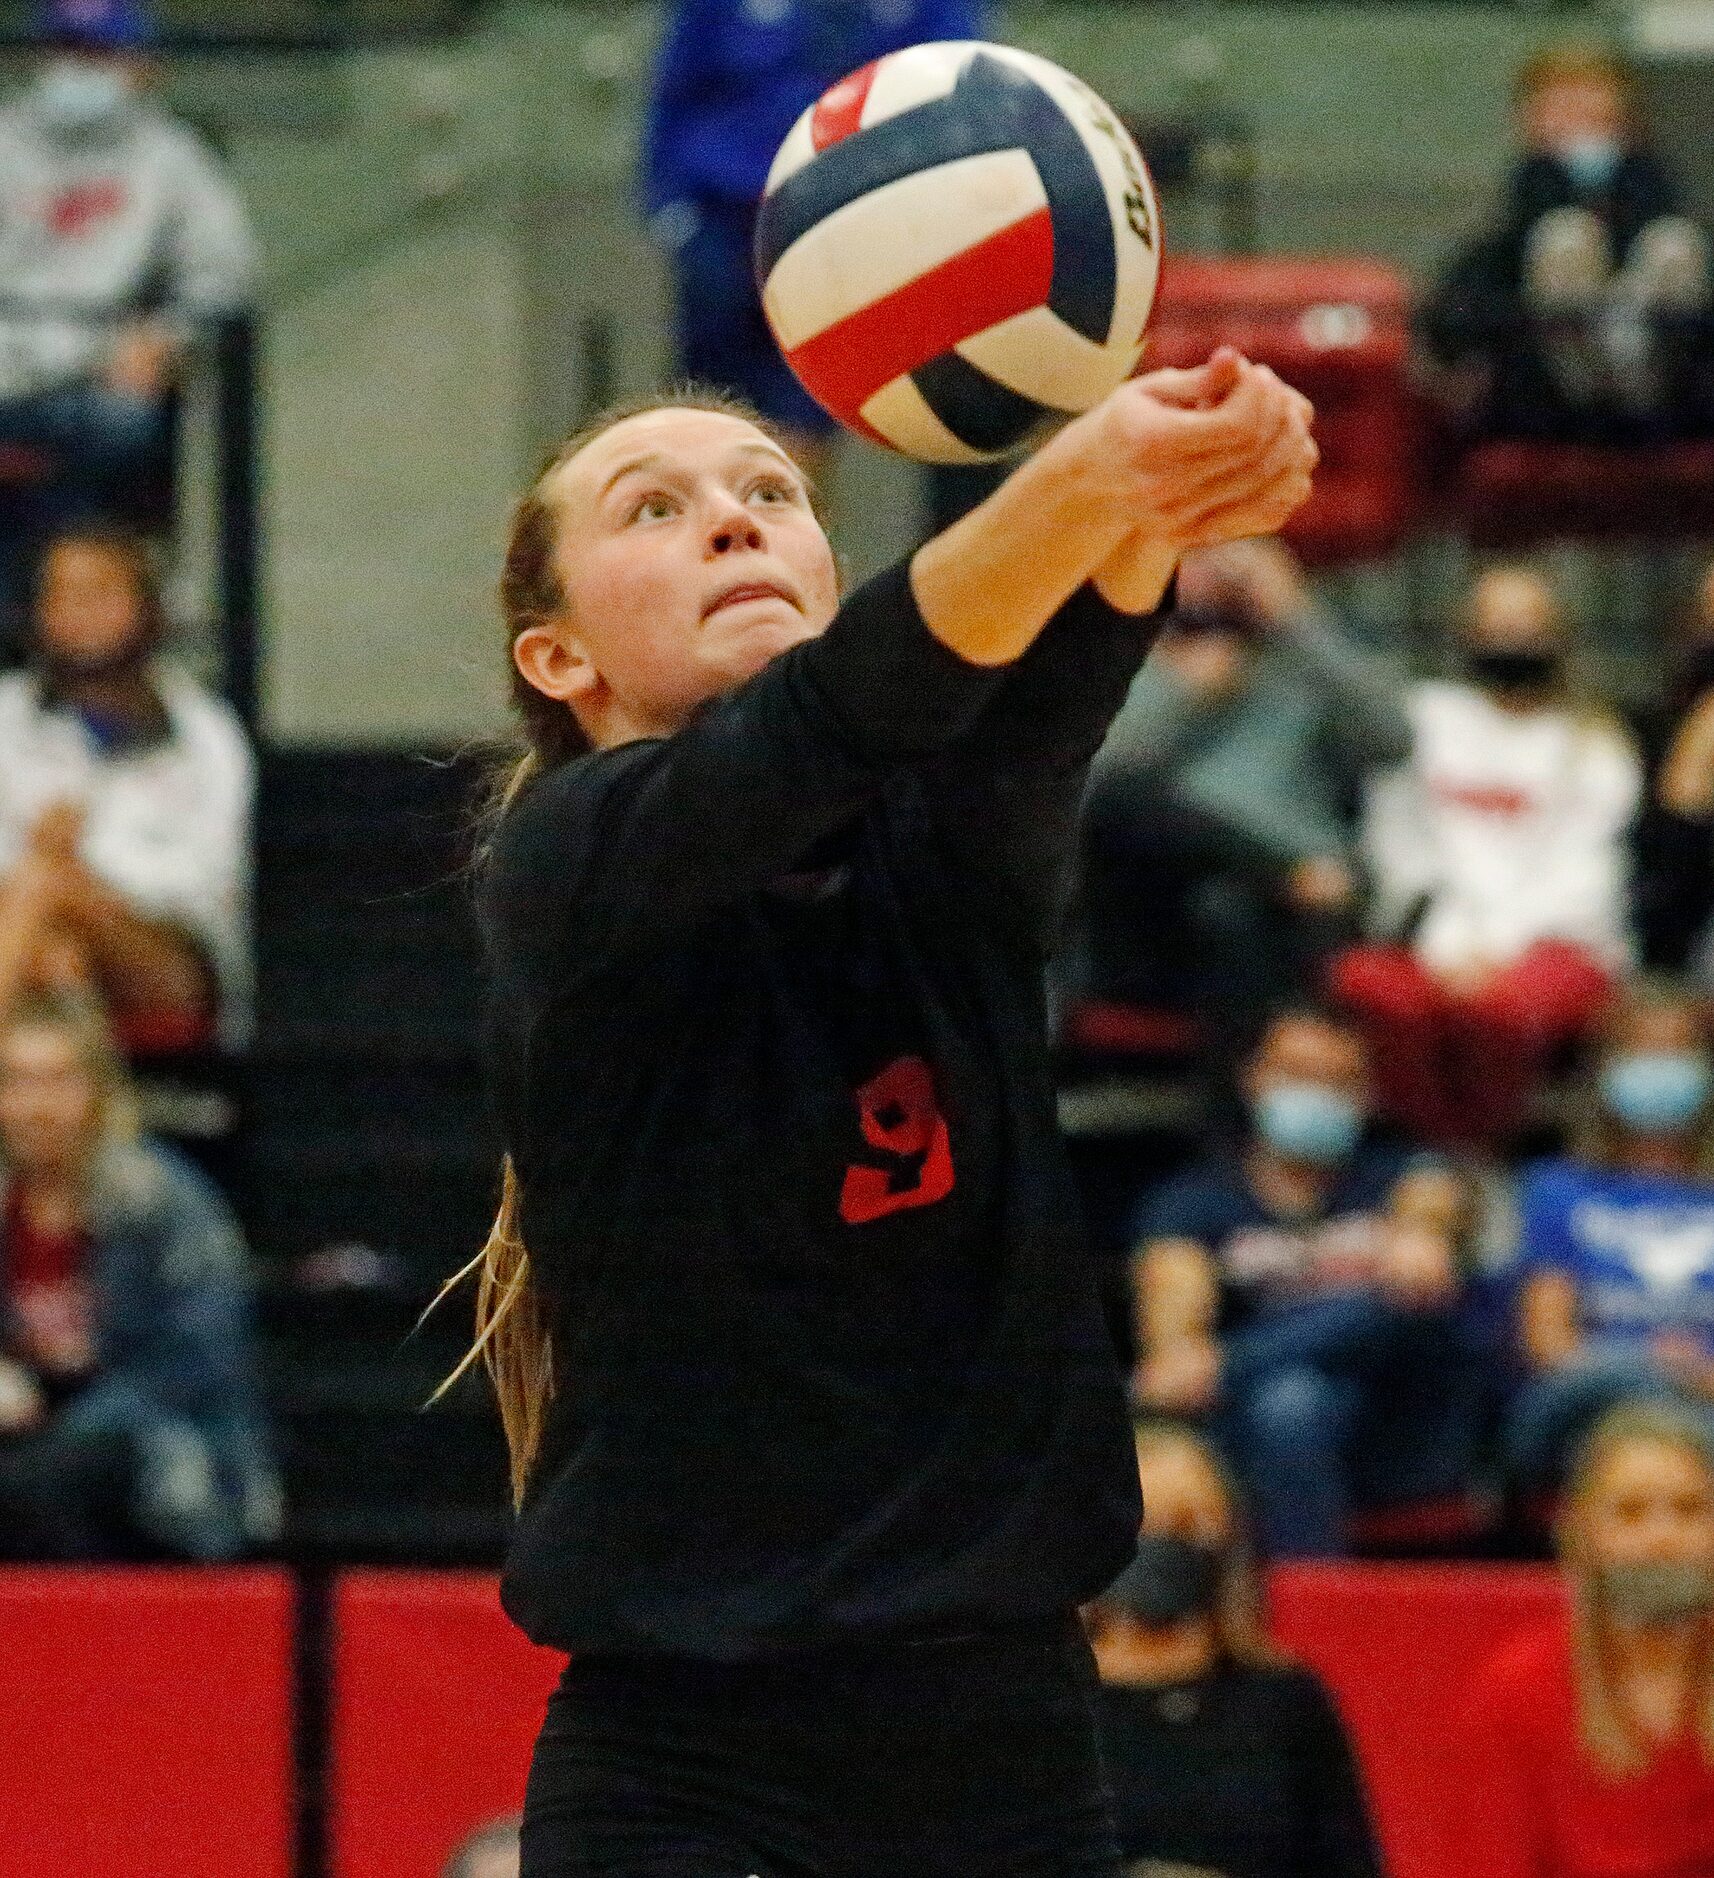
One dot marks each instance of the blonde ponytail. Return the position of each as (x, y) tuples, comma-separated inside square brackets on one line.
[(512, 1340)]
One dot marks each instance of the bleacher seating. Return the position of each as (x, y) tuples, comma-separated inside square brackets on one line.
[(369, 1163)]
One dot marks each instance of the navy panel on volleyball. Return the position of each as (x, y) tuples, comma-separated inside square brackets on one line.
[(958, 244)]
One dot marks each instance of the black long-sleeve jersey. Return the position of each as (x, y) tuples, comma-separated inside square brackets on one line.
[(768, 1044)]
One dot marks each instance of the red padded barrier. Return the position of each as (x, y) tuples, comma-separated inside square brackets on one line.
[(145, 1723), (1399, 1644), (437, 1700)]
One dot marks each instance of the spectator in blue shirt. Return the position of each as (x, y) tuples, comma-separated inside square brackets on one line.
[(731, 79), (1301, 1294), (1617, 1252)]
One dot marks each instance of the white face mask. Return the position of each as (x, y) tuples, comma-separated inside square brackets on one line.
[(76, 96)]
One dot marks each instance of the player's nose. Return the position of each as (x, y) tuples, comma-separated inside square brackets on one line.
[(731, 525)]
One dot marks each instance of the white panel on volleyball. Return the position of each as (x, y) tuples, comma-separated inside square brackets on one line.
[(794, 153), (918, 75), (1037, 355), (881, 242), (902, 415), (1109, 143)]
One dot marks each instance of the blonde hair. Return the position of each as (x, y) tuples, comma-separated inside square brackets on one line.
[(514, 1339), (81, 1016), (1609, 1734), (1239, 1636)]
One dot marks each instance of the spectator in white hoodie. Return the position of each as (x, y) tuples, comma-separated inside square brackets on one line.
[(120, 237), (1498, 859)]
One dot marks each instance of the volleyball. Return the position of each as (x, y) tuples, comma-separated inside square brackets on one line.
[(957, 244)]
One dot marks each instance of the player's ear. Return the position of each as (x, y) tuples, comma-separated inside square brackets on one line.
[(556, 666)]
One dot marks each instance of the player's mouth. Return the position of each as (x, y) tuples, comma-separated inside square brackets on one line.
[(742, 591)]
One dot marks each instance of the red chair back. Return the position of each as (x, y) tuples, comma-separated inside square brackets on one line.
[(1338, 329)]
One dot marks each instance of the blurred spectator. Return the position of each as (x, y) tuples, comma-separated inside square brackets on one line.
[(1303, 1294), (1219, 830), (731, 79), (125, 792), (119, 236), (1222, 1758), (1675, 858), (1592, 1740), (1617, 1240), (1499, 864), (128, 1408), (1582, 314), (489, 1852)]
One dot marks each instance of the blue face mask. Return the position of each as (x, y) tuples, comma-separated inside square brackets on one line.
[(1307, 1121), (1591, 161), (1656, 1091)]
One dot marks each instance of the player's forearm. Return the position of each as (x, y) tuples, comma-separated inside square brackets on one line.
[(1135, 577), (989, 584)]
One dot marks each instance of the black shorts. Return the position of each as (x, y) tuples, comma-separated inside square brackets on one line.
[(968, 1756)]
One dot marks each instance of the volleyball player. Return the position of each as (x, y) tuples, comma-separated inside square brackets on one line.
[(815, 1427)]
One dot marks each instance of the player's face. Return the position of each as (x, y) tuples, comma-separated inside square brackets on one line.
[(1650, 1503), (690, 557)]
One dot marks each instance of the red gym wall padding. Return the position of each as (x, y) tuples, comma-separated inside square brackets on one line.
[(145, 1723), (436, 1703), (1399, 1644), (437, 1700)]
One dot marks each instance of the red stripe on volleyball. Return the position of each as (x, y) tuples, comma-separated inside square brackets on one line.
[(839, 110), (845, 364)]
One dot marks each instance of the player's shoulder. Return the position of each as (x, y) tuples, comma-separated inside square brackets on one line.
[(551, 819)]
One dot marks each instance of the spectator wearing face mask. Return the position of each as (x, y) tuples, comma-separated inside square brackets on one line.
[(1499, 861), (1582, 314), (1219, 849), (1617, 1240), (125, 795), (1591, 1739), (1224, 1760), (120, 237), (1300, 1296)]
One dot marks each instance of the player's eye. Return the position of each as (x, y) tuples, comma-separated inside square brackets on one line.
[(653, 507), (771, 490)]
